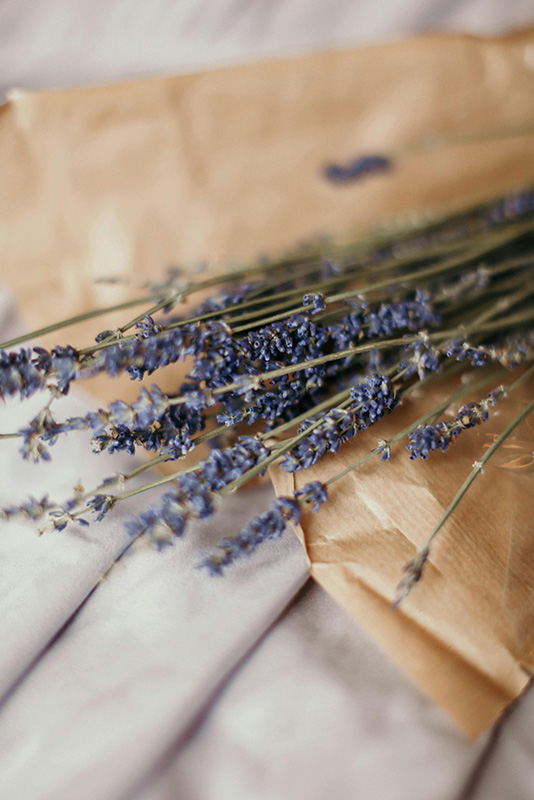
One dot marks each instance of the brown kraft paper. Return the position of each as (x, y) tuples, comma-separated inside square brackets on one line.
[(465, 633), (226, 165)]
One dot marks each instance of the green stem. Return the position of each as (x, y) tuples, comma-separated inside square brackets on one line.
[(365, 348), (416, 275), (478, 468), (436, 412), (155, 484), (330, 402), (438, 141), (350, 274), (487, 246), (414, 568), (72, 321)]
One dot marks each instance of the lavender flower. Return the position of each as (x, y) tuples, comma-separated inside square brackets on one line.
[(357, 169), (195, 492), (61, 363), (371, 399), (412, 574), (100, 504), (30, 509), (147, 328), (269, 525), (316, 301), (424, 359), (383, 447), (428, 438), (408, 314), (313, 493)]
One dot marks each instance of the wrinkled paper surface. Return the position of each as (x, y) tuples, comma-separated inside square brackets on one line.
[(225, 165), (466, 631), (228, 164)]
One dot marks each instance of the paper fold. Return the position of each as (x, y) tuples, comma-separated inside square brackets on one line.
[(464, 633)]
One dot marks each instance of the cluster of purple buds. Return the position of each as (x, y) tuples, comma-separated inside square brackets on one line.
[(371, 399), (269, 525), (299, 339), (477, 356), (516, 350), (221, 359), (293, 341), (424, 359), (61, 363), (31, 509), (140, 357), (26, 372), (286, 342), (386, 319), (100, 504), (408, 314), (428, 438), (313, 493), (196, 491), (147, 328), (18, 374), (32, 448), (317, 302), (149, 422), (147, 409), (169, 432), (155, 347), (357, 168)]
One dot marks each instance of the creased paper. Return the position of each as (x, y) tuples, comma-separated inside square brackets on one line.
[(228, 164), (465, 634)]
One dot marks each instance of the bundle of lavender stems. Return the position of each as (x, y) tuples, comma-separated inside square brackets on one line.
[(288, 360)]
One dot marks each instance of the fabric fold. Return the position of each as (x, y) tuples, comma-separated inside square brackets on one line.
[(148, 651)]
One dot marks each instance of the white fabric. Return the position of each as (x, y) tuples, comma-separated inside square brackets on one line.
[(143, 657), (317, 712), (53, 43)]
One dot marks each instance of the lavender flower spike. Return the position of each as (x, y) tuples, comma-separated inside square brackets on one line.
[(269, 525), (428, 438), (371, 399)]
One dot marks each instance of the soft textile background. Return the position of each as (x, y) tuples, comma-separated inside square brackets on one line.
[(63, 42), (117, 707)]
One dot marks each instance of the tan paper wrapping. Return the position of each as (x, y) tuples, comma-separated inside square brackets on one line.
[(465, 634), (226, 165)]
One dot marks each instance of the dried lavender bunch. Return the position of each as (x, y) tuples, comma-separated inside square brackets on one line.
[(309, 350)]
